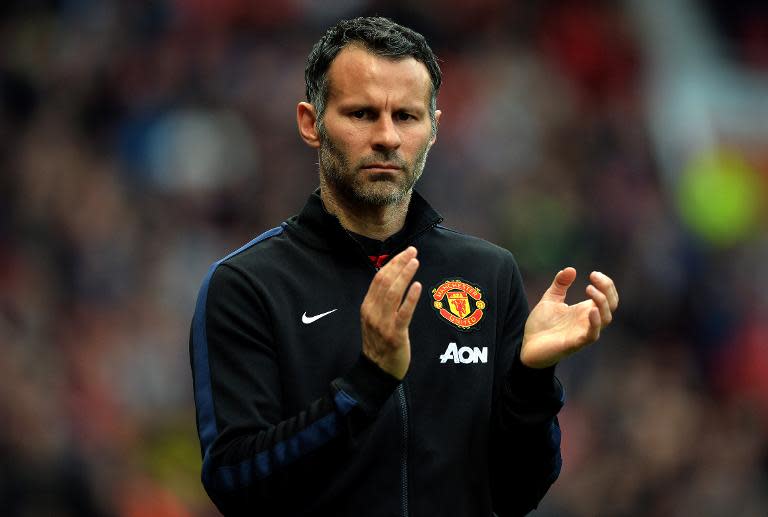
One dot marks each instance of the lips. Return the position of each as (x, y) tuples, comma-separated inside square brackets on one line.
[(383, 166)]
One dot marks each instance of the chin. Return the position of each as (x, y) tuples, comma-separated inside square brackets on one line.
[(379, 194)]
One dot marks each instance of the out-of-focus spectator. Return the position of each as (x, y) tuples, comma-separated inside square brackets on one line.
[(141, 141)]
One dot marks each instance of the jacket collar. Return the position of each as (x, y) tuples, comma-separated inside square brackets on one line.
[(322, 229)]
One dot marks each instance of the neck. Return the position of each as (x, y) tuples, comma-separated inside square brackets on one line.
[(375, 222)]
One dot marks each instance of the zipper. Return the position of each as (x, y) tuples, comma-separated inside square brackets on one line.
[(362, 253), (403, 406), (415, 236), (400, 391)]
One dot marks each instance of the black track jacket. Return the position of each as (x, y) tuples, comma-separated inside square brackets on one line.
[(294, 420)]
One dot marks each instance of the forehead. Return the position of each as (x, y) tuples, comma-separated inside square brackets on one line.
[(357, 75)]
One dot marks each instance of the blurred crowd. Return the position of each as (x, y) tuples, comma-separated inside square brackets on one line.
[(141, 141)]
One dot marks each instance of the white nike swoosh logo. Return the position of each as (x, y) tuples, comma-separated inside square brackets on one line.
[(310, 319)]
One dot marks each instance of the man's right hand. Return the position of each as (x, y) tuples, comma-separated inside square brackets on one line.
[(385, 315)]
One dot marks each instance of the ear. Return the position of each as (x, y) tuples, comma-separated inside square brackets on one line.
[(437, 124), (306, 118)]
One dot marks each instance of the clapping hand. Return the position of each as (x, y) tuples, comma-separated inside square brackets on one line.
[(386, 313), (555, 330)]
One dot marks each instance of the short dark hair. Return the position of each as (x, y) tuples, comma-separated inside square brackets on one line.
[(378, 35)]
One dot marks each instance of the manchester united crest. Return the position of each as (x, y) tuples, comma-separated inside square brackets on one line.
[(459, 303)]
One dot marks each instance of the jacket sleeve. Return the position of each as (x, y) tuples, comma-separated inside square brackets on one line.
[(254, 455), (525, 454)]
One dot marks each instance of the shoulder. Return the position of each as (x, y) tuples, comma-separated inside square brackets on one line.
[(459, 242), (259, 251), (239, 266)]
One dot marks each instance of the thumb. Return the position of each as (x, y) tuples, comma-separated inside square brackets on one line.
[(563, 280)]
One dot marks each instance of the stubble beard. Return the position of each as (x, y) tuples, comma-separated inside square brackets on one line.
[(370, 190)]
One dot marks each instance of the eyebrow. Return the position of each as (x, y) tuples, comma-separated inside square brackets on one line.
[(353, 105)]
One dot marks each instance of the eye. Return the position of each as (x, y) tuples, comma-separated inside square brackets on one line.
[(403, 116), (359, 114)]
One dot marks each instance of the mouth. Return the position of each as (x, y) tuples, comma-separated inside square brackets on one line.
[(382, 167)]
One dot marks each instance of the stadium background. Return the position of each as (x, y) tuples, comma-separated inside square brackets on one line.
[(140, 141)]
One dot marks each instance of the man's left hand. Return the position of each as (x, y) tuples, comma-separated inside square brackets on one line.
[(555, 330)]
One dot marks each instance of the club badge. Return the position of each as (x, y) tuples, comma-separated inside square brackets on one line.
[(459, 303)]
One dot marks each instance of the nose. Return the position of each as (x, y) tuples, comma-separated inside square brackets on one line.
[(385, 135)]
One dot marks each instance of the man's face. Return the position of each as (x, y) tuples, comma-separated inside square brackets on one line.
[(376, 130)]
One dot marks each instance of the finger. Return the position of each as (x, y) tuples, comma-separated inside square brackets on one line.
[(563, 280), (404, 256), (386, 275), (405, 312), (595, 324), (394, 295), (601, 301), (607, 286)]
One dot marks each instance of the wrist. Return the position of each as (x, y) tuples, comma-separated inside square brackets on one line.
[(535, 356)]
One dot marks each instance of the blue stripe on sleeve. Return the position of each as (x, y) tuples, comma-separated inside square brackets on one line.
[(283, 453), (344, 402), (555, 436), (206, 417)]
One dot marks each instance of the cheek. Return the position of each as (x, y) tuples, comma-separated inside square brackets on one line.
[(348, 139), (418, 140), (355, 139), (341, 130)]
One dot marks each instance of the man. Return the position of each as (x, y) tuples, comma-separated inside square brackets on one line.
[(338, 374)]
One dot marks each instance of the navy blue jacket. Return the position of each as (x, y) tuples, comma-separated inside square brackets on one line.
[(294, 420)]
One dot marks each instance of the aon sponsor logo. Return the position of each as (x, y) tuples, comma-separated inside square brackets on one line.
[(464, 354)]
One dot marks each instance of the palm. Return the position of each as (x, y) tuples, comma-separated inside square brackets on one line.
[(554, 330)]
